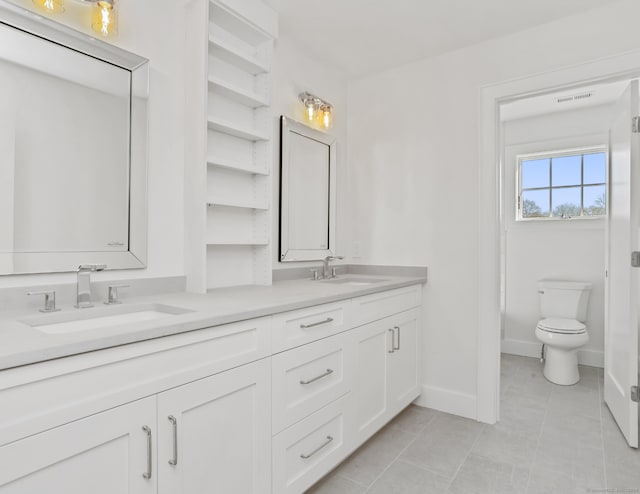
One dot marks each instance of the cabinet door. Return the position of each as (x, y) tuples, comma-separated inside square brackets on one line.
[(373, 342), (215, 434), (404, 371), (106, 453)]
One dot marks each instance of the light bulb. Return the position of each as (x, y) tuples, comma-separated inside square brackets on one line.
[(104, 19), (310, 111), (327, 116), (51, 6)]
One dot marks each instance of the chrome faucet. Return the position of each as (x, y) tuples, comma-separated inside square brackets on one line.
[(325, 266), (84, 284)]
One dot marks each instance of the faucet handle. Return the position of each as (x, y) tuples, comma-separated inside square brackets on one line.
[(49, 300), (334, 272), (112, 297), (92, 267), (314, 274)]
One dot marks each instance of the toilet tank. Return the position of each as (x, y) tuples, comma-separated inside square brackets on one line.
[(565, 299)]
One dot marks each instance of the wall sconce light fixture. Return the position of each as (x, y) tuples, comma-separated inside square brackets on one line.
[(317, 111), (104, 18)]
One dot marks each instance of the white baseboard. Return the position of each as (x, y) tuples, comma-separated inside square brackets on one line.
[(593, 358), (448, 401)]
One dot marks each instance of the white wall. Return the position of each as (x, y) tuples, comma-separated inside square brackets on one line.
[(569, 249), (295, 71), (153, 30), (413, 162)]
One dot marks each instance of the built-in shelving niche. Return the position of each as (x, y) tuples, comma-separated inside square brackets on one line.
[(239, 126)]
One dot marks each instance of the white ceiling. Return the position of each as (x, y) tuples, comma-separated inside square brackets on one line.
[(363, 37)]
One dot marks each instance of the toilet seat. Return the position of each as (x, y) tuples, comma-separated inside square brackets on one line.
[(561, 326)]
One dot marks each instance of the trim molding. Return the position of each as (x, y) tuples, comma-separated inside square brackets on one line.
[(592, 358), (453, 402)]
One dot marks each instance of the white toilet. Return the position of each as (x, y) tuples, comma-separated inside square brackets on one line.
[(563, 309)]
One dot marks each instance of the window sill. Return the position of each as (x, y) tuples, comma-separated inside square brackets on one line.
[(577, 223)]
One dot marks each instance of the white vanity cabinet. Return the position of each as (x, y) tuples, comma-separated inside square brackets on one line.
[(106, 453), (214, 434), (260, 406), (387, 370)]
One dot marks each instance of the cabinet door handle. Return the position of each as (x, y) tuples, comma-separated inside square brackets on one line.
[(174, 422), (397, 347), (147, 474), (393, 341), (325, 374), (324, 444), (307, 326)]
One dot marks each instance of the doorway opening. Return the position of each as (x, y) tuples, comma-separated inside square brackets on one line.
[(572, 82)]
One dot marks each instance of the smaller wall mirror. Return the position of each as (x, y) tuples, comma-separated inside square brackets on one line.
[(307, 192)]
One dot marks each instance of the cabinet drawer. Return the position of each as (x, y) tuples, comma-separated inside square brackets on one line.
[(378, 305), (295, 328), (306, 451), (309, 377)]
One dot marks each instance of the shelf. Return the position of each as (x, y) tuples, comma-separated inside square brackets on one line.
[(235, 165), (226, 51), (238, 204), (235, 130), (238, 94), (245, 29), (248, 241)]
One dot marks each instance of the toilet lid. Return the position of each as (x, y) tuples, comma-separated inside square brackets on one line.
[(557, 325)]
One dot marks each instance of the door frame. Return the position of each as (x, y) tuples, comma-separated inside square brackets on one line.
[(490, 176)]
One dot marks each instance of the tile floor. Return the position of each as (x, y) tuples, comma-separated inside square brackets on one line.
[(550, 439)]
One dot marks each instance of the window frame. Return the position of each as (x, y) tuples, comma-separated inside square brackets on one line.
[(581, 151)]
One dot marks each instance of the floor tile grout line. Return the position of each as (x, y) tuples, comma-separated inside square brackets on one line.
[(388, 424), (535, 455), (464, 460), (398, 456)]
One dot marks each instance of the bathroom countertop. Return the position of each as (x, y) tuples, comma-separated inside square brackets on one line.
[(21, 344)]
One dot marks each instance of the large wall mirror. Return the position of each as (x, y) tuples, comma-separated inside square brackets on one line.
[(73, 149), (307, 192)]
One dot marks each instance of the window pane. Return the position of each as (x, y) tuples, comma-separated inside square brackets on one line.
[(595, 202), (566, 170), (535, 173), (535, 203), (595, 168), (565, 202)]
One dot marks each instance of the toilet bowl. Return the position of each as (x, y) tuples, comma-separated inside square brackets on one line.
[(563, 307), (561, 348)]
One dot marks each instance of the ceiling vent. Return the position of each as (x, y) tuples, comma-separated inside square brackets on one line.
[(574, 97)]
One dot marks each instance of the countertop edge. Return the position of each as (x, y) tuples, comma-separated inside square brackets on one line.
[(66, 348)]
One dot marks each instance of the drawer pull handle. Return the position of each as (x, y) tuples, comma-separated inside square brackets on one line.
[(397, 347), (307, 326), (324, 444), (174, 422), (329, 371), (393, 341), (147, 474)]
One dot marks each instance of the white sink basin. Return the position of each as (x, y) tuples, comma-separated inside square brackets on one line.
[(355, 281), (101, 317)]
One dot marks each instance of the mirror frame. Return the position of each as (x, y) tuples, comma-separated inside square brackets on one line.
[(288, 127), (15, 17)]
